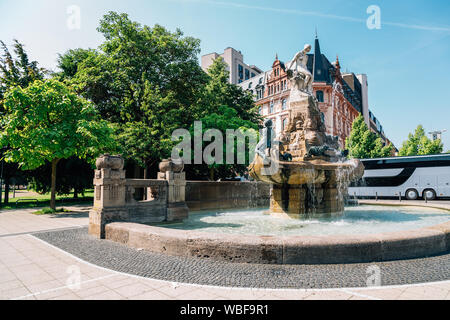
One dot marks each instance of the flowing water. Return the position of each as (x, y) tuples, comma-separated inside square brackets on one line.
[(356, 220)]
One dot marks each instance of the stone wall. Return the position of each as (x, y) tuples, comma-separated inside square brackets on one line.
[(135, 200), (284, 250), (205, 195)]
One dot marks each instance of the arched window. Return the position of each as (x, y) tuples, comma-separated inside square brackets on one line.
[(271, 107)]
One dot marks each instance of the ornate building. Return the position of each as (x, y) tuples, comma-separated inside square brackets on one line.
[(341, 96)]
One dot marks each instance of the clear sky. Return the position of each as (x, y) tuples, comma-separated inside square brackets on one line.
[(407, 61)]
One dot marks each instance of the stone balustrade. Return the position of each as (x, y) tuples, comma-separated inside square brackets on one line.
[(117, 199)]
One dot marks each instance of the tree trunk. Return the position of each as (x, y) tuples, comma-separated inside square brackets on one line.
[(211, 174), (6, 191), (53, 189), (145, 172), (75, 193)]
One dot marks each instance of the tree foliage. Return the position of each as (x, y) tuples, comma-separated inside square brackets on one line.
[(16, 69), (47, 122), (69, 62), (224, 106), (364, 144), (419, 144), (219, 92), (145, 79)]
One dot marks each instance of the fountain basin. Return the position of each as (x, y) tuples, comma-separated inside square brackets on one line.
[(285, 249), (301, 189), (306, 172)]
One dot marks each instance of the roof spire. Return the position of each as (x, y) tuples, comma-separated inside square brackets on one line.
[(337, 62), (316, 33), (276, 56)]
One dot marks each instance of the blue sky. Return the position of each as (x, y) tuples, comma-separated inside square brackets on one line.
[(407, 60)]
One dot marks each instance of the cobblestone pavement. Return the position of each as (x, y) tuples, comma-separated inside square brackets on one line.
[(34, 269), (121, 258)]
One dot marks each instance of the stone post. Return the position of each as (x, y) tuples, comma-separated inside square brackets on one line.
[(109, 194), (171, 171)]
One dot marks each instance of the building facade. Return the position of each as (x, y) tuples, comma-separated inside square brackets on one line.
[(341, 97), (239, 71)]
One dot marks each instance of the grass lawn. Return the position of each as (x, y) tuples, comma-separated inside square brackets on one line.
[(43, 200)]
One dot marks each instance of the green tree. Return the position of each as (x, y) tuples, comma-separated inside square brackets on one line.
[(145, 79), (48, 122), (364, 144), (16, 69), (219, 92), (224, 106), (225, 119), (419, 144), (71, 61)]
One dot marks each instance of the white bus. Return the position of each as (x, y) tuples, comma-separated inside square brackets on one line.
[(409, 177)]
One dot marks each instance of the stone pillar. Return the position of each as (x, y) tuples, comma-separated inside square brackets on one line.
[(109, 194), (171, 171)]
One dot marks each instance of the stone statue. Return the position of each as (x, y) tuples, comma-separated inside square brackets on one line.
[(298, 73), (311, 174), (265, 144)]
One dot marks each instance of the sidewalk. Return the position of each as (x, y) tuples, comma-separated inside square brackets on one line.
[(23, 221), (34, 270)]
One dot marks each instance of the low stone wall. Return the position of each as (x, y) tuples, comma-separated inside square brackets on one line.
[(204, 195), (284, 250)]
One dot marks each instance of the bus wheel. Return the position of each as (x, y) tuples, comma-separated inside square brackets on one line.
[(430, 194), (412, 194)]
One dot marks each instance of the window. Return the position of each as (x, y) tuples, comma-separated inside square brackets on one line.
[(284, 123), (260, 110), (271, 107), (284, 104), (319, 96), (241, 72), (247, 74), (253, 75)]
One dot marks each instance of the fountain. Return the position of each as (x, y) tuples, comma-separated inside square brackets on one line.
[(309, 177), (308, 174)]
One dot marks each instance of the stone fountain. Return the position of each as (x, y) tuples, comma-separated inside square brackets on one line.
[(308, 173)]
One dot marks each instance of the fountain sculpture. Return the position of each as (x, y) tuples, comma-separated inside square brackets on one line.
[(308, 173)]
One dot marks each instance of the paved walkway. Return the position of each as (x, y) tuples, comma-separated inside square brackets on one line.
[(32, 269)]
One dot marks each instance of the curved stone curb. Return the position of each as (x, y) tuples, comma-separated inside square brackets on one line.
[(284, 250), (381, 203)]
